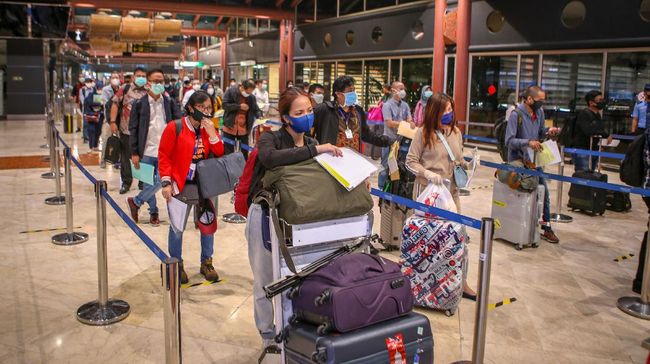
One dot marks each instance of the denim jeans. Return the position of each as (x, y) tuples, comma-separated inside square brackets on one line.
[(175, 241), (581, 162), (93, 129), (546, 214), (148, 193), (84, 128), (383, 175)]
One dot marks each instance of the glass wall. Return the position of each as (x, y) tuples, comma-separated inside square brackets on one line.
[(627, 73), (353, 69), (416, 72), (375, 75), (451, 72), (493, 82), (316, 72)]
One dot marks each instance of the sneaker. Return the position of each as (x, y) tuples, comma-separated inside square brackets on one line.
[(207, 269), (550, 236), (154, 220), (184, 278), (124, 189), (133, 208)]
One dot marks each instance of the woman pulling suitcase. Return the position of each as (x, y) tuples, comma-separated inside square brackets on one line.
[(428, 157), (287, 146)]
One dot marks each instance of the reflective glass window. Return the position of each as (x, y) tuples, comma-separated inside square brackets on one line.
[(627, 73), (493, 82), (375, 75), (416, 72)]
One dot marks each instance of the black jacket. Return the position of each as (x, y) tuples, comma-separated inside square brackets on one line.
[(139, 121), (588, 124), (231, 106), (326, 126), (274, 149)]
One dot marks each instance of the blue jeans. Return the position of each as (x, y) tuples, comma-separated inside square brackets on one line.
[(93, 130), (175, 241), (383, 175), (84, 128), (581, 162), (148, 193), (546, 214)]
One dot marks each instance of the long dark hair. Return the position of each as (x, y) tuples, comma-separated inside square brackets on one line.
[(436, 106), (287, 97), (198, 97)]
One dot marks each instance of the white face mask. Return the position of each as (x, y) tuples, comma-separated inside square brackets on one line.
[(211, 91), (245, 94), (401, 94), (318, 98), (115, 81), (196, 87)]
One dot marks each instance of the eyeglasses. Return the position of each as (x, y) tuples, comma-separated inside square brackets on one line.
[(203, 107)]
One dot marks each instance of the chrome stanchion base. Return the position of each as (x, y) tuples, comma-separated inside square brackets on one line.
[(234, 218), (463, 192), (633, 306), (45, 146), (92, 313), (49, 175), (555, 217), (462, 362), (70, 239), (55, 200)]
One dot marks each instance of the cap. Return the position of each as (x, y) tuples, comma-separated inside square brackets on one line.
[(208, 220), (186, 78), (646, 87)]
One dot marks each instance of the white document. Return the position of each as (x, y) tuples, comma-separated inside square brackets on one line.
[(613, 144), (350, 170), (177, 210), (549, 155)]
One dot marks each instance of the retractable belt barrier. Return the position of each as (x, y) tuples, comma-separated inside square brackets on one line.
[(480, 139), (594, 153), (623, 137), (232, 142)]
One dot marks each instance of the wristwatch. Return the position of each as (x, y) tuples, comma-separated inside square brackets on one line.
[(165, 183)]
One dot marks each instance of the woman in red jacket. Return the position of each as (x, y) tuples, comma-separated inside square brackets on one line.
[(182, 146)]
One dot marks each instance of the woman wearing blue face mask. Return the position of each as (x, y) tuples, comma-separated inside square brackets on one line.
[(428, 157), (419, 107), (287, 146)]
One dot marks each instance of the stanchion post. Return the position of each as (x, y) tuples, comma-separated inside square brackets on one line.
[(48, 133), (484, 267), (70, 237), (640, 306), (559, 216), (234, 217), (51, 146), (57, 199), (102, 311), (172, 313)]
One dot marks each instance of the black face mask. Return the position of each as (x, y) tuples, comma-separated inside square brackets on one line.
[(537, 105), (601, 105)]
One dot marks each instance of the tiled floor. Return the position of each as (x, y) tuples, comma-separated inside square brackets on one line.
[(566, 294)]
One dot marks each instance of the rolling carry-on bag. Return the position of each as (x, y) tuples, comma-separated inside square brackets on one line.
[(590, 200), (391, 223), (517, 214), (351, 292), (434, 258), (407, 339), (618, 201)]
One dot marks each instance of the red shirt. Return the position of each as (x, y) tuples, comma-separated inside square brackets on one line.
[(175, 153)]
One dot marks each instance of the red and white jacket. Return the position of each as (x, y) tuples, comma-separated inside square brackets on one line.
[(175, 153)]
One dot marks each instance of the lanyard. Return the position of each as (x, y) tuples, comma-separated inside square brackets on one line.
[(345, 117)]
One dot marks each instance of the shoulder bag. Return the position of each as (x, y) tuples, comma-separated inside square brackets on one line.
[(460, 174)]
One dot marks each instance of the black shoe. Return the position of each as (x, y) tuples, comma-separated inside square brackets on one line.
[(140, 185), (124, 189), (471, 297)]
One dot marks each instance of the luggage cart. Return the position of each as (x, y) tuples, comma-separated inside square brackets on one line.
[(310, 242)]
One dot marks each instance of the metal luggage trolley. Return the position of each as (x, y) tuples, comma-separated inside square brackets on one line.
[(311, 242)]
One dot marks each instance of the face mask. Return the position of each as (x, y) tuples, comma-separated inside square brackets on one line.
[(157, 88), (115, 82), (302, 124), (401, 94), (601, 105), (245, 94), (198, 115), (318, 98), (81, 79), (447, 118), (211, 91), (350, 98), (264, 87), (140, 81), (537, 105), (196, 87), (427, 94)]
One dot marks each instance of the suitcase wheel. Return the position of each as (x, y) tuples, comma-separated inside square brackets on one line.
[(449, 313), (519, 247), (323, 329), (322, 298)]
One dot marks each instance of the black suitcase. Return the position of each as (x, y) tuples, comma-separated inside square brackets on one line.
[(387, 342), (618, 201), (588, 199)]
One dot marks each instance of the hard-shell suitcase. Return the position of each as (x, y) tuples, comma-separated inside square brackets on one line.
[(588, 199), (351, 292), (391, 223), (517, 214), (618, 201), (434, 258), (68, 124), (406, 339)]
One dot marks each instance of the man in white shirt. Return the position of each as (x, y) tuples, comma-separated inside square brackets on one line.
[(196, 85), (149, 116), (261, 96)]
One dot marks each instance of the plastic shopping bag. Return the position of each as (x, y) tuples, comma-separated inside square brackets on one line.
[(437, 196)]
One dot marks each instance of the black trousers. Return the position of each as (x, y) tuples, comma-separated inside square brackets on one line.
[(125, 160), (638, 280), (229, 148)]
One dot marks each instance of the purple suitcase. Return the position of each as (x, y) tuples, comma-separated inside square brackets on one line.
[(353, 291)]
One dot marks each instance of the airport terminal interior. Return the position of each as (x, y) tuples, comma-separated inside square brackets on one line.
[(93, 276)]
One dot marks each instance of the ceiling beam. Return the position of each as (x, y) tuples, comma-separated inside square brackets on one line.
[(232, 19), (278, 3), (185, 8), (203, 32), (125, 12), (295, 3), (196, 20), (216, 24)]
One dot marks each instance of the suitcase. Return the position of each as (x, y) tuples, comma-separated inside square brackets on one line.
[(407, 339), (618, 201), (391, 224), (590, 200), (517, 214), (434, 258), (351, 292), (68, 124)]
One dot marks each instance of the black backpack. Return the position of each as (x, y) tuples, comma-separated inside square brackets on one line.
[(632, 169), (568, 132), (500, 131)]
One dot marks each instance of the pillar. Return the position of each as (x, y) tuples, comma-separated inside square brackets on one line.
[(196, 58), (438, 76), (283, 59), (462, 60), (290, 36), (224, 62)]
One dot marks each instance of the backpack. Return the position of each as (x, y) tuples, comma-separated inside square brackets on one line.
[(632, 167), (500, 131), (568, 132)]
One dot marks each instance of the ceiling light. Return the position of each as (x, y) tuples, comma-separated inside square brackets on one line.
[(134, 13), (166, 14)]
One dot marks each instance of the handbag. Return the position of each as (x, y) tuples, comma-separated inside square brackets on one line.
[(460, 174), (220, 175), (112, 154), (189, 195)]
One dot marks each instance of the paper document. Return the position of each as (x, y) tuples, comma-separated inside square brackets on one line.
[(177, 209), (613, 144), (350, 170), (550, 154), (405, 130), (476, 160), (144, 174)]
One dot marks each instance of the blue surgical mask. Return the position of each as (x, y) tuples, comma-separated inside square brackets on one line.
[(447, 118), (157, 88), (302, 124), (140, 81), (427, 94), (350, 98)]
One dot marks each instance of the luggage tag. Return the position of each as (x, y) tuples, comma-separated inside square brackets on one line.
[(348, 133), (190, 173)]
